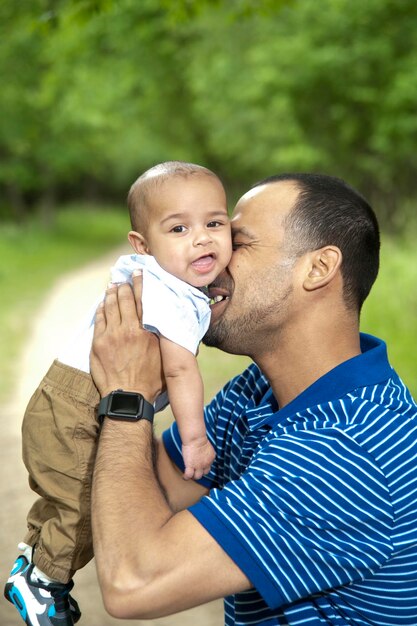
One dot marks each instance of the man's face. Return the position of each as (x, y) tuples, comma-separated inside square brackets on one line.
[(255, 291)]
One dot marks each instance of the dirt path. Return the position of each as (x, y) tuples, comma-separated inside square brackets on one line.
[(64, 306)]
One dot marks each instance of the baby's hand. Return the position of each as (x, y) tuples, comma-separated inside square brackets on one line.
[(198, 457)]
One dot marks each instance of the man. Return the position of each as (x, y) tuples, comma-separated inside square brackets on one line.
[(309, 513)]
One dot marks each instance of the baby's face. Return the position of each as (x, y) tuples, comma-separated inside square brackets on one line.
[(189, 230)]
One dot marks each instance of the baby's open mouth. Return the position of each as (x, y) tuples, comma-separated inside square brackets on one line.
[(204, 263)]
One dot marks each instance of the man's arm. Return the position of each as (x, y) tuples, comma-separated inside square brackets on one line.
[(150, 560)]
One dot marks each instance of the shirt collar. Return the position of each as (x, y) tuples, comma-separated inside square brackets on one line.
[(368, 368)]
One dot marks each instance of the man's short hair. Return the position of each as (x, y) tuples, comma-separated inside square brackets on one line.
[(138, 199), (330, 212)]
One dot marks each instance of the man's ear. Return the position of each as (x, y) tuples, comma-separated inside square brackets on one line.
[(323, 267), (138, 242)]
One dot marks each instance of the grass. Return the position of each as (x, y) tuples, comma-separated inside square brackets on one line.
[(390, 311), (32, 259)]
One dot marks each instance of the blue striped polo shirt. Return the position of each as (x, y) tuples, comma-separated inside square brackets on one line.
[(317, 502)]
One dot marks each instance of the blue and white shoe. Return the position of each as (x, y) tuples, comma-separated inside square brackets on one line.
[(39, 603)]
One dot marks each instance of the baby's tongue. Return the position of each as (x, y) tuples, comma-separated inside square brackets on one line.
[(203, 262)]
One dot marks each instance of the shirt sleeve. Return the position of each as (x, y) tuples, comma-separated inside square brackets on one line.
[(170, 307), (172, 310), (311, 512)]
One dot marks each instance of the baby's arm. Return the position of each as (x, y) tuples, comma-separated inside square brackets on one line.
[(185, 391)]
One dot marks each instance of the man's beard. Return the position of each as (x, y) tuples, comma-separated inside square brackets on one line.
[(217, 336), (241, 335), (235, 336)]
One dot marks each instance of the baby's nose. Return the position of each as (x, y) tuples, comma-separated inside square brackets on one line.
[(202, 238)]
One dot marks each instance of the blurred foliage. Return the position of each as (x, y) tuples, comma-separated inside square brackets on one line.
[(95, 91)]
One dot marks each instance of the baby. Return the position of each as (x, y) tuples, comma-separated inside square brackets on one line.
[(181, 236), (179, 215)]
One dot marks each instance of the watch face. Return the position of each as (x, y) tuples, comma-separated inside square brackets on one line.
[(125, 404)]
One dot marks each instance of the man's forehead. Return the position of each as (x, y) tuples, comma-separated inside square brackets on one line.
[(263, 205)]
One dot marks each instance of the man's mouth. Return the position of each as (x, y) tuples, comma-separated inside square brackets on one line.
[(217, 295), (217, 299)]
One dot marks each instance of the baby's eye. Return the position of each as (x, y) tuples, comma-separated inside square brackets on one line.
[(178, 229), (214, 224)]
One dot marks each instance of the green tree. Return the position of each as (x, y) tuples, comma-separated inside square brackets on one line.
[(20, 63), (97, 90), (324, 86)]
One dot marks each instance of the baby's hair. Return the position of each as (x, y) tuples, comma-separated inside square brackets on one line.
[(138, 200)]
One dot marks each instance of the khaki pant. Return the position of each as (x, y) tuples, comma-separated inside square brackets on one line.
[(59, 443)]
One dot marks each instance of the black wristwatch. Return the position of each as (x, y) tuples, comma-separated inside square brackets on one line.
[(125, 405)]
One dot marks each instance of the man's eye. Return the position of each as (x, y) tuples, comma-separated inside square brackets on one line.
[(237, 244), (178, 229)]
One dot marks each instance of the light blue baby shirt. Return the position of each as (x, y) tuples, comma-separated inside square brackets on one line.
[(170, 307)]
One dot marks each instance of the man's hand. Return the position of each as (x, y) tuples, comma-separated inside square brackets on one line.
[(124, 355)]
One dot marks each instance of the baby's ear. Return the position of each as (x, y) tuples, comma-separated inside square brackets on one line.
[(138, 242)]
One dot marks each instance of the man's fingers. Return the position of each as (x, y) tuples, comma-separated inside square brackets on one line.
[(137, 290), (127, 305), (111, 305), (123, 355), (100, 320)]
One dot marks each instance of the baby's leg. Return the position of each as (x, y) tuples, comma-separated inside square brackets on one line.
[(59, 443)]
